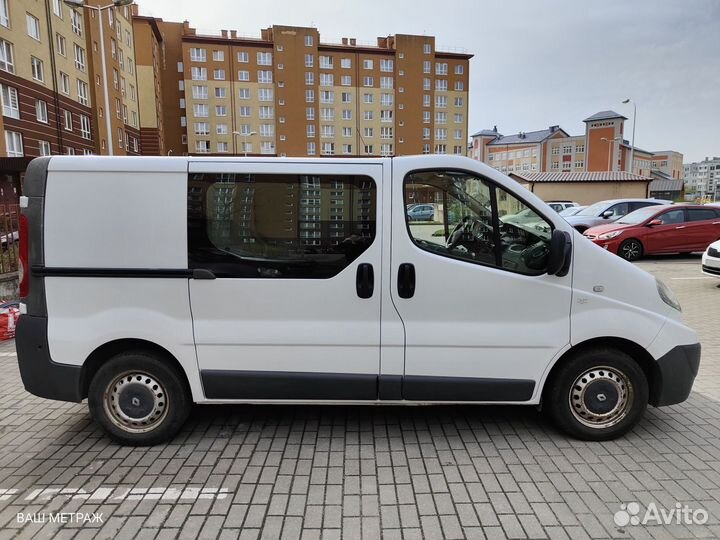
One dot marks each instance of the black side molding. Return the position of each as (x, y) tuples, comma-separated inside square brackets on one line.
[(40, 375), (422, 388), (226, 384), (113, 272)]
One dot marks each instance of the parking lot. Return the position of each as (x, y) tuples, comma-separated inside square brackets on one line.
[(369, 472)]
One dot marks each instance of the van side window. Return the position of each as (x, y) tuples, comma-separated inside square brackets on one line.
[(476, 221), (278, 225)]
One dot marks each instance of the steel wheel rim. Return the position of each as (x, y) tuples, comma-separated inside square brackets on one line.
[(601, 397), (135, 402), (631, 250)]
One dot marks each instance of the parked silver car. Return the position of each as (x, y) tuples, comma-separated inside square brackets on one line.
[(608, 211)]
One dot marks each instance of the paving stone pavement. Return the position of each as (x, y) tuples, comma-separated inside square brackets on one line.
[(269, 472)]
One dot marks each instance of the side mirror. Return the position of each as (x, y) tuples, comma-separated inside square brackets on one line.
[(560, 256), (606, 214), (654, 222)]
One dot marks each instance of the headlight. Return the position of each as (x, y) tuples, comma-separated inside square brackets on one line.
[(610, 235), (667, 295)]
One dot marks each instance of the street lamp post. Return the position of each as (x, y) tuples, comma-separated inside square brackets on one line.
[(632, 148), (244, 136), (76, 4), (610, 149)]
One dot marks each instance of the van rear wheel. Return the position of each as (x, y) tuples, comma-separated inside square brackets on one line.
[(139, 399), (598, 395)]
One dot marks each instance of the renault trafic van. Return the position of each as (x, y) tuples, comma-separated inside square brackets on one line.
[(149, 284)]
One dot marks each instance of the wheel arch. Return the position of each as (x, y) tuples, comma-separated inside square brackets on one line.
[(112, 348), (638, 353)]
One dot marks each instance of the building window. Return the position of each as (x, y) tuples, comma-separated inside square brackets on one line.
[(265, 94), (555, 151), (201, 110), (310, 113), (244, 93), (44, 148), (5, 12), (243, 75), (386, 82), (346, 80), (580, 148), (327, 132), (198, 73), (441, 68), (33, 27), (345, 63), (202, 128), (368, 132), (326, 62), (579, 163), (218, 56), (367, 81), (6, 56), (327, 114), (367, 64), (76, 22), (264, 59), (202, 147), (310, 96), (311, 148), (386, 133), (326, 79), (309, 60), (265, 77), (85, 127), (200, 92), (68, 120), (386, 65), (441, 85), (310, 130), (328, 149), (308, 41), (426, 84), (222, 147), (267, 112), (426, 117), (38, 71), (82, 89), (14, 144), (567, 150), (440, 117), (79, 57), (327, 96), (41, 112), (220, 110), (386, 116), (220, 92), (368, 115), (441, 102), (347, 114), (219, 74), (65, 83), (245, 112), (60, 44), (243, 57), (10, 103), (198, 55), (459, 87)]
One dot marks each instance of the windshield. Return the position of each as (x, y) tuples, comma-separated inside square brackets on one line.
[(594, 210), (638, 216), (571, 211)]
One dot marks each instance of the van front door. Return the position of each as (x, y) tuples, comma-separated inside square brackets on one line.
[(482, 317), (285, 296)]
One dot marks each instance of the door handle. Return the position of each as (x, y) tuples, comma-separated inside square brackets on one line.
[(406, 280), (680, 227), (365, 280)]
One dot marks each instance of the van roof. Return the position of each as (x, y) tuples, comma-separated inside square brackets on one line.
[(180, 163)]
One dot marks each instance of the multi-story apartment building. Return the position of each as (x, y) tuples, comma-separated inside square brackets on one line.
[(701, 178), (602, 148), (51, 81), (286, 93)]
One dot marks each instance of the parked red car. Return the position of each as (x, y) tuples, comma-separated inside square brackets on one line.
[(663, 229)]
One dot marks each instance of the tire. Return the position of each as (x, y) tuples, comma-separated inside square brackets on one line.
[(598, 395), (139, 398), (631, 250)]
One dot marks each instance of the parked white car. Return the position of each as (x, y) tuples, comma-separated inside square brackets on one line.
[(273, 280), (711, 260), (559, 206)]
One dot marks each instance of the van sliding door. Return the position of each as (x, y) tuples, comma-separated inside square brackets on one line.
[(286, 292)]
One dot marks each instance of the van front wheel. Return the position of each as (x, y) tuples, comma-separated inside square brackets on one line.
[(598, 395), (139, 399)]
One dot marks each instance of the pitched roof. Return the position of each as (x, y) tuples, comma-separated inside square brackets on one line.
[(664, 182), (581, 176), (604, 115), (487, 133), (529, 137)]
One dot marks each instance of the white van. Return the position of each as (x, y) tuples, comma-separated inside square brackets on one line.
[(149, 284)]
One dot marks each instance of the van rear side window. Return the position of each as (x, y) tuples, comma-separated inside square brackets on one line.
[(279, 225)]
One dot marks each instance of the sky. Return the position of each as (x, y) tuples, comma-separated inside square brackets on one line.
[(537, 62)]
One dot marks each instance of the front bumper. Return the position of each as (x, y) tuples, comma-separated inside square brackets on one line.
[(710, 265), (40, 375), (611, 245), (673, 375)]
